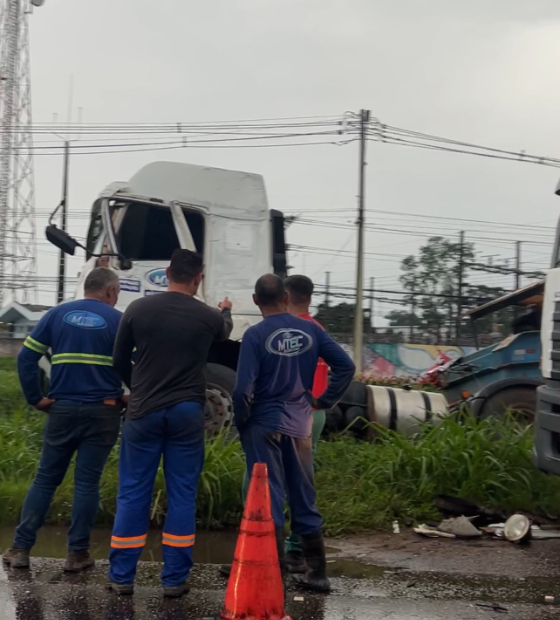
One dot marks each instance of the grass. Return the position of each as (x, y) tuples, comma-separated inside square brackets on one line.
[(361, 486)]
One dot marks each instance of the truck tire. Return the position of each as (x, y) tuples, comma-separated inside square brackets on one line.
[(522, 401), (218, 412)]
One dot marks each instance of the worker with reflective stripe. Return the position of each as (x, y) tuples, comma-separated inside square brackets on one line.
[(173, 333), (83, 405)]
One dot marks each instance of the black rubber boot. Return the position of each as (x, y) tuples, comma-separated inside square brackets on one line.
[(280, 545), (316, 576), (295, 562)]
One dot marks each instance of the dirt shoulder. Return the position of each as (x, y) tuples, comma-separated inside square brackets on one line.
[(408, 551)]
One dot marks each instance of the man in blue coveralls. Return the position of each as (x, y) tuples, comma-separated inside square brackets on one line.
[(83, 406), (273, 411), (173, 333)]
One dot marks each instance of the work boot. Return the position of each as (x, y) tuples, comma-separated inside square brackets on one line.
[(316, 576), (175, 591), (295, 562), (16, 558), (122, 589), (77, 561), (281, 547)]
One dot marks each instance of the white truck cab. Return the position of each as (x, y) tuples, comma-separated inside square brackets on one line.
[(222, 214)]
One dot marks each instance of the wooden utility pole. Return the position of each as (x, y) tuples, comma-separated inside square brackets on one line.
[(327, 288), (359, 310)]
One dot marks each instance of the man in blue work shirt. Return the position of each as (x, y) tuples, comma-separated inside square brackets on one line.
[(83, 407), (273, 403)]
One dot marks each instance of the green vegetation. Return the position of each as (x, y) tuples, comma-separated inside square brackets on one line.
[(361, 486)]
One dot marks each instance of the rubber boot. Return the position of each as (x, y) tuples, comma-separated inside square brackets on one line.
[(295, 562), (280, 545), (316, 576)]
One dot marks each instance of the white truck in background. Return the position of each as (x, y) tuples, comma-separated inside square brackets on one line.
[(546, 451), (222, 214)]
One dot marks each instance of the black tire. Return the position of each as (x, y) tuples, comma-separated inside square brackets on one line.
[(218, 412), (334, 422), (356, 395), (356, 417), (521, 401)]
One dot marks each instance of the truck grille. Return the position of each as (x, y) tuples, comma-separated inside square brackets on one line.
[(555, 352)]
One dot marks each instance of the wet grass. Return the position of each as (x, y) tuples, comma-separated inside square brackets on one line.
[(361, 486)]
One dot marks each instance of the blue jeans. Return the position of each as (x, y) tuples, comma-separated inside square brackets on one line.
[(90, 430), (177, 433), (290, 472)]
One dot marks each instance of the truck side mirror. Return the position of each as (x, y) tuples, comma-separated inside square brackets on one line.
[(62, 240)]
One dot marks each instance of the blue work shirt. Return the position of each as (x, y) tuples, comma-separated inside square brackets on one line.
[(80, 335), (275, 374)]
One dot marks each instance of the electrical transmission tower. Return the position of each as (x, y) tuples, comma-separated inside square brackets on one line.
[(18, 259)]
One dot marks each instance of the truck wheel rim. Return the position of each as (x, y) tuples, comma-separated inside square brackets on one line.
[(218, 411)]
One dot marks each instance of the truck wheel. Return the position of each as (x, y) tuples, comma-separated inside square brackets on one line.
[(521, 401), (218, 412)]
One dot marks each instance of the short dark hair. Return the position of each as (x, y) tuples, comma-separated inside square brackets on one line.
[(185, 266), (269, 290), (300, 289), (99, 279)]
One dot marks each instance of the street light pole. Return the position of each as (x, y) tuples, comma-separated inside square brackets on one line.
[(64, 207)]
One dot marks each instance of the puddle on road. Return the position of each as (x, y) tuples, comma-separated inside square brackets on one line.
[(210, 548)]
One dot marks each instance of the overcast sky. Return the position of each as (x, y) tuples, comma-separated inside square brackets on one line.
[(480, 71)]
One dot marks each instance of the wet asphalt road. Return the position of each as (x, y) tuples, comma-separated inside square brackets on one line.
[(371, 593)]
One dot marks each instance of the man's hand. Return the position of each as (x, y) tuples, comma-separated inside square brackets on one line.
[(225, 304), (44, 404), (125, 398), (313, 400)]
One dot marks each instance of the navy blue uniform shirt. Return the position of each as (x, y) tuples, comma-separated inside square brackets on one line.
[(275, 374), (80, 335)]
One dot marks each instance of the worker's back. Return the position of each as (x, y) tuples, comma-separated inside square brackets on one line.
[(173, 333), (80, 335)]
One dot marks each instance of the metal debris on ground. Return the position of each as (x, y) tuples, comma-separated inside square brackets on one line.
[(461, 527), (431, 532)]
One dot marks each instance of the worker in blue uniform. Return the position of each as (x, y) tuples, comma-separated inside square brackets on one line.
[(173, 333), (84, 412), (273, 405)]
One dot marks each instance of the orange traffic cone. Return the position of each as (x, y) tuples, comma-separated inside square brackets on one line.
[(255, 590)]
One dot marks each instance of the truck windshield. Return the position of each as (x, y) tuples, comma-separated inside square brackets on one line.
[(147, 232)]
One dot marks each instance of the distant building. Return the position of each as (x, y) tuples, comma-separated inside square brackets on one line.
[(18, 320)]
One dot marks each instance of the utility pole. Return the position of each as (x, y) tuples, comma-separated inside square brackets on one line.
[(359, 313), (517, 265), (460, 284), (64, 207), (327, 288), (371, 319), (412, 310)]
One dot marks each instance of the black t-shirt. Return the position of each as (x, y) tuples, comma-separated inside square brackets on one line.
[(172, 333)]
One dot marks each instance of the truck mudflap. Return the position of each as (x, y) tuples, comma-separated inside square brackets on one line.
[(546, 448)]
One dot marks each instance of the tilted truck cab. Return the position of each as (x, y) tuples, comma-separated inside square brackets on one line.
[(222, 214)]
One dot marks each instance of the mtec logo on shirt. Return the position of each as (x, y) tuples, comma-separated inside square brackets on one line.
[(157, 277), (85, 320), (288, 342)]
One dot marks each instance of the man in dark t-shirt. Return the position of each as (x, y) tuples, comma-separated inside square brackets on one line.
[(172, 334)]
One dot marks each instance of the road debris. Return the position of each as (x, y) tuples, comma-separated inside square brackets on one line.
[(461, 527)]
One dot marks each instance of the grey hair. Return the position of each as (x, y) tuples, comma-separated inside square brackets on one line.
[(99, 279)]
